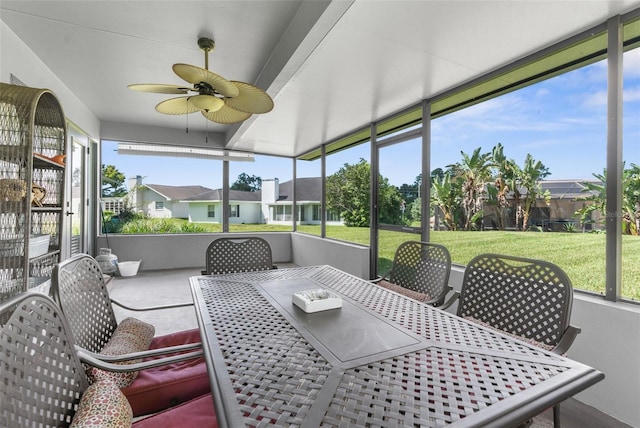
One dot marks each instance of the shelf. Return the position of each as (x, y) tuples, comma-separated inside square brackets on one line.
[(44, 256), (52, 208), (30, 162), (43, 162)]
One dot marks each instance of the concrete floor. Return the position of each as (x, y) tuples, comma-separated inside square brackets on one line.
[(160, 287)]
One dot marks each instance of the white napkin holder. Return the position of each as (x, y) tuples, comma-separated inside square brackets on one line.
[(316, 300)]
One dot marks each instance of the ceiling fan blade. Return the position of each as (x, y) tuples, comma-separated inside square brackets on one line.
[(195, 75), (208, 103), (159, 88), (226, 115), (250, 99), (181, 105)]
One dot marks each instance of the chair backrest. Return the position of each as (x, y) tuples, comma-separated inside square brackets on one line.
[(526, 297), (422, 267), (41, 376), (78, 286), (231, 255)]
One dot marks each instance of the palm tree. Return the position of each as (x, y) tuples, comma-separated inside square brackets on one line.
[(474, 171), (529, 178), (445, 197), (630, 199), (504, 183)]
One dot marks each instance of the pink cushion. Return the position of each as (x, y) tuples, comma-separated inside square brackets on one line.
[(515, 336), (161, 387), (198, 412), (415, 295)]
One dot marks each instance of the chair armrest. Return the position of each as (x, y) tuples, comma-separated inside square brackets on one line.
[(384, 276), (93, 359), (439, 300), (151, 308), (567, 339), (193, 347), (450, 301)]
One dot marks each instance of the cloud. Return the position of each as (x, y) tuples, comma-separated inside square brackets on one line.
[(631, 94), (596, 99), (631, 63)]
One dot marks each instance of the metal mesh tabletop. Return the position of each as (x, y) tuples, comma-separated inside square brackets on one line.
[(268, 365)]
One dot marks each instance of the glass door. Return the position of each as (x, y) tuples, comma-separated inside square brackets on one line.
[(78, 197), (399, 213)]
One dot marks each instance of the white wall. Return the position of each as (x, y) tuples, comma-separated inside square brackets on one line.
[(17, 59), (309, 250), (199, 212), (172, 251), (250, 213), (610, 342)]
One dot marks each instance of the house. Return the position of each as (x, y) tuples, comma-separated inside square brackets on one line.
[(272, 204), (557, 213)]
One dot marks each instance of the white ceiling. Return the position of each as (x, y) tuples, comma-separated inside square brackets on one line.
[(331, 67)]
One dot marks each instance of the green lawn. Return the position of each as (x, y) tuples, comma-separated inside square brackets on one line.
[(581, 255)]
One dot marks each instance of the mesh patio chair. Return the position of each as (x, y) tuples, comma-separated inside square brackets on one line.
[(421, 271), (44, 381), (525, 298), (79, 289), (233, 255)]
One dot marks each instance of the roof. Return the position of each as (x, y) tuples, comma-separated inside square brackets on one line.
[(307, 189), (177, 193), (566, 189), (234, 195)]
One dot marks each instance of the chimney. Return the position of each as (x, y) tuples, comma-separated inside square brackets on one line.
[(270, 190), (135, 182)]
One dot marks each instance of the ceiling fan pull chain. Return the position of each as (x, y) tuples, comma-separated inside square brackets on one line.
[(187, 124)]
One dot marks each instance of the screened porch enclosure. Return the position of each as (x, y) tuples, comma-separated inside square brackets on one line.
[(390, 124)]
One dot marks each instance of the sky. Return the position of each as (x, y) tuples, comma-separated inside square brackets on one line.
[(560, 122)]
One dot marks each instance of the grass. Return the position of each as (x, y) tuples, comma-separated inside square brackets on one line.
[(581, 255)]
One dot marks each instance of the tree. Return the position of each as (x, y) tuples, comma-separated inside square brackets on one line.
[(348, 193), (112, 182), (411, 195), (446, 197), (630, 199), (474, 171), (529, 178), (247, 183), (504, 183)]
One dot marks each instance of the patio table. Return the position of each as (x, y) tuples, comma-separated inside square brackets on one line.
[(381, 360)]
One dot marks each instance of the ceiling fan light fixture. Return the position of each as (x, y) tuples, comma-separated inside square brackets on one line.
[(218, 99), (207, 103), (180, 105)]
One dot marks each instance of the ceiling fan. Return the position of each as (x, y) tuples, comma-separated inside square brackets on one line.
[(218, 99)]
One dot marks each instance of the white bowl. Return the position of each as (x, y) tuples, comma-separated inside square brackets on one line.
[(128, 268)]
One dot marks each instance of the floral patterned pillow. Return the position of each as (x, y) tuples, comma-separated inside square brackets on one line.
[(103, 405), (131, 335)]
